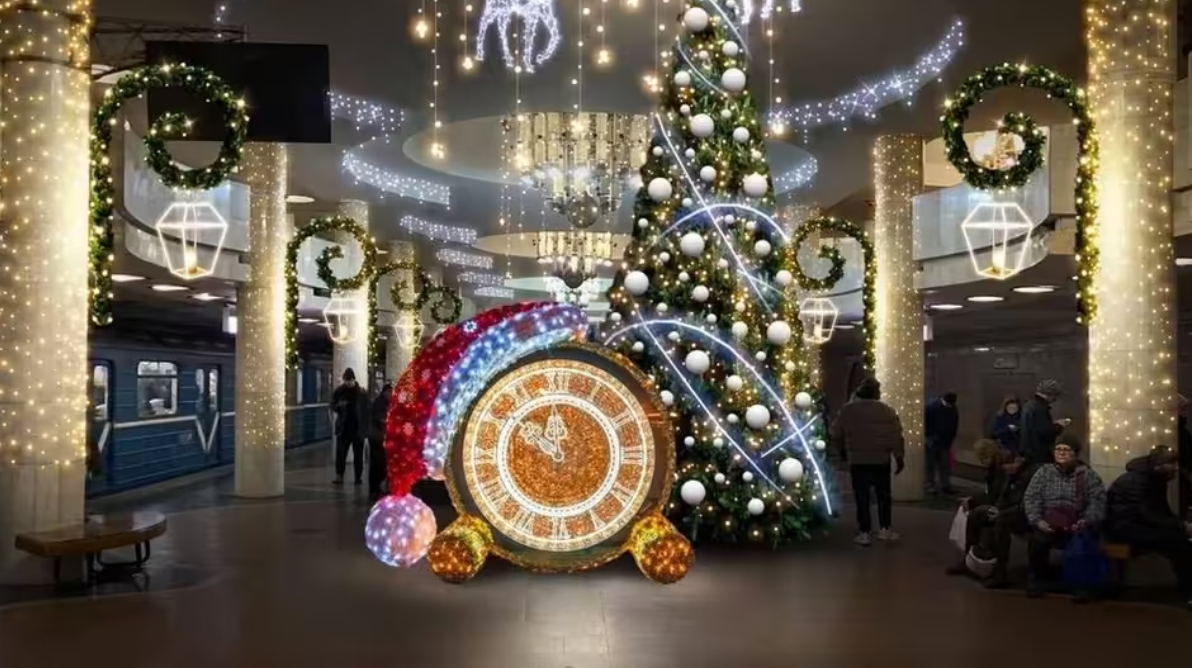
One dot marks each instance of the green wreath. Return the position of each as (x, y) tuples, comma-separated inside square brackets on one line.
[(956, 112), (446, 305), (833, 255), (172, 125)]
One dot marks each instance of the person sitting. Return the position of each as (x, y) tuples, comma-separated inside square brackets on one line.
[(1004, 426), (1064, 498), (998, 515), (1139, 515)]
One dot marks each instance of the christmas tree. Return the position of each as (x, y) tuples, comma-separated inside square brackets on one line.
[(705, 302)]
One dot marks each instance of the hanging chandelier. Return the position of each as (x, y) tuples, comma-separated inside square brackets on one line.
[(574, 256), (581, 162)]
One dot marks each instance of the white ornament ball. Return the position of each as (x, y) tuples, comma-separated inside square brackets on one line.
[(707, 173), (689, 441), (698, 362), (638, 347), (740, 307), (702, 125), (741, 135), (696, 19), (657, 151), (779, 333), (740, 329), (821, 445), (757, 416), (718, 442), (685, 109), (692, 244), (719, 478), (668, 398), (784, 278), (684, 277), (659, 189), (762, 248), (701, 294), (726, 114), (673, 336), (730, 219), (643, 223), (687, 202), (756, 506), (747, 476), (614, 317), (755, 185), (637, 283), (790, 366), (731, 4), (722, 263), (734, 383), (760, 356), (730, 49), (662, 307), (733, 80), (751, 226), (756, 154), (690, 153), (790, 470), (693, 492), (803, 401), (733, 419), (664, 256), (711, 318), (682, 79)]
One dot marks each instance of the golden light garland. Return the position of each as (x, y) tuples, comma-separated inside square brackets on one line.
[(662, 553), (461, 550)]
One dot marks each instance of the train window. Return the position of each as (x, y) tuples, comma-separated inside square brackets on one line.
[(99, 393), (157, 389), (213, 389), (322, 386), (294, 386)]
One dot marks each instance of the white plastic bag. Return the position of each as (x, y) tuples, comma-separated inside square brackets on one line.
[(959, 532), (982, 568)]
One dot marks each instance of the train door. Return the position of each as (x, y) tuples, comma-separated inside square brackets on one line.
[(207, 410), (99, 424)]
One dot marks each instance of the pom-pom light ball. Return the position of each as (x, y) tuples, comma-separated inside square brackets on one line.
[(637, 283), (790, 470), (692, 244), (757, 416), (803, 401), (662, 554), (755, 185), (659, 189), (702, 126), (459, 553), (399, 530), (693, 492), (733, 80), (698, 362)]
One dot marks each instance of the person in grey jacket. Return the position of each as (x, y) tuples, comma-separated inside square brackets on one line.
[(870, 436), (1063, 499)]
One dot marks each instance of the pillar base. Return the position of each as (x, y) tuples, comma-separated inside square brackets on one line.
[(37, 499)]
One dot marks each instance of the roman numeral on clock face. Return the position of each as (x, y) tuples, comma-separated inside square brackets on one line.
[(520, 394), (623, 419), (597, 523), (634, 454), (559, 529), (523, 520), (485, 456), (622, 493), (558, 382), (494, 491)]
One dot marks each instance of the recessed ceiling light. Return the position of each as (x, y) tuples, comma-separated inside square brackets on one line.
[(1035, 289), (307, 321), (982, 349), (163, 287), (299, 199), (1183, 261), (985, 299), (126, 278), (206, 297), (945, 307)]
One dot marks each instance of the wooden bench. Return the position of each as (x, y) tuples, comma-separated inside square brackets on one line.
[(93, 537)]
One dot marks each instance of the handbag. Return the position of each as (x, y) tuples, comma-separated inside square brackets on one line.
[(1064, 517), (978, 565), (1086, 568), (959, 533)]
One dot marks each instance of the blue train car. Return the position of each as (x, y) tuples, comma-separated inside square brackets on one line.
[(161, 408)]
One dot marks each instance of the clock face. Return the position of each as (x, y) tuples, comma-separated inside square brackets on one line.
[(560, 454)]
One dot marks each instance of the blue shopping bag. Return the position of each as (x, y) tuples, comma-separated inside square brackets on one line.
[(1086, 568)]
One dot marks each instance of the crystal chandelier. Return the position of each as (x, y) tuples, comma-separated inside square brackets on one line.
[(574, 256), (579, 161)]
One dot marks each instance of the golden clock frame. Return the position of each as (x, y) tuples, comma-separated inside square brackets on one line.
[(462, 548)]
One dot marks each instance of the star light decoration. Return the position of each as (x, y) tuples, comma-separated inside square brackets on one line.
[(866, 100)]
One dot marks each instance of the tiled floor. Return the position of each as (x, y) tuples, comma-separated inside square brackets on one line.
[(290, 584)]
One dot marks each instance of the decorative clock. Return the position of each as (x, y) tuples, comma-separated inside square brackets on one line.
[(556, 453)]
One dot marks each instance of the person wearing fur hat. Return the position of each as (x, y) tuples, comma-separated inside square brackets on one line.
[(1038, 430)]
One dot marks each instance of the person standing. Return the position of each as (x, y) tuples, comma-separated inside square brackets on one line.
[(378, 415), (1140, 516), (350, 404), (940, 424), (869, 435), (1038, 431), (1004, 426)]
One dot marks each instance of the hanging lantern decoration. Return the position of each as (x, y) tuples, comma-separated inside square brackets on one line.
[(819, 319), (186, 231), (344, 319), (409, 330), (997, 235)]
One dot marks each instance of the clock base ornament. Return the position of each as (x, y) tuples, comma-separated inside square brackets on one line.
[(557, 453)]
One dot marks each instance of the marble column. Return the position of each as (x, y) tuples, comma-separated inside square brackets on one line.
[(897, 178), (260, 341), (1132, 344), (354, 353), (44, 160), (401, 342)]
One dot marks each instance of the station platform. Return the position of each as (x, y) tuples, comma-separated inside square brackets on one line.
[(289, 582)]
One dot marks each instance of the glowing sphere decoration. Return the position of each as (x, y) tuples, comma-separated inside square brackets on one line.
[(399, 530), (696, 19), (790, 470), (755, 185), (702, 126), (733, 80), (692, 244), (659, 189), (661, 553)]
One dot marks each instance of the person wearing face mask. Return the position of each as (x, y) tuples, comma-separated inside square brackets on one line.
[(1063, 498), (1004, 426), (1140, 516)]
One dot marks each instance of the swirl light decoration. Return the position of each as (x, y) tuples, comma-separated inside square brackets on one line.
[(1030, 159), (207, 87)]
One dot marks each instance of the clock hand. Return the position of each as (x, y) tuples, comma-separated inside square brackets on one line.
[(532, 434)]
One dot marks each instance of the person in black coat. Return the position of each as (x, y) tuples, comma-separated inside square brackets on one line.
[(378, 415), (1038, 430), (1004, 426), (1138, 514), (350, 404), (941, 421)]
